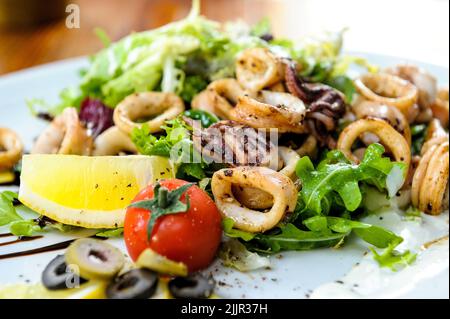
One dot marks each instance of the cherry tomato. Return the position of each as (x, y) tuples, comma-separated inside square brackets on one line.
[(192, 237)]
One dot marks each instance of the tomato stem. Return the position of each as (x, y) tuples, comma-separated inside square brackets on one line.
[(163, 201)]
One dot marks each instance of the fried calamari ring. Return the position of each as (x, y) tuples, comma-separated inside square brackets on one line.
[(11, 148), (255, 198), (269, 110), (395, 118), (65, 135), (388, 89), (430, 181), (279, 186), (113, 142), (258, 68), (388, 136), (158, 106), (219, 98)]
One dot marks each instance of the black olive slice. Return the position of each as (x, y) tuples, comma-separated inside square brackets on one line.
[(197, 287), (57, 275), (134, 284)]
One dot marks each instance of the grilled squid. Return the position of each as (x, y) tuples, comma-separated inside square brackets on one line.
[(268, 109), (435, 135), (113, 142), (235, 144), (440, 106), (219, 98), (279, 186), (429, 191), (391, 90), (255, 198), (136, 109), (309, 147), (364, 109), (64, 135), (387, 135), (11, 148), (326, 105), (425, 83), (258, 68)]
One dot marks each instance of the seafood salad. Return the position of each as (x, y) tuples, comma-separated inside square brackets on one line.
[(197, 143)]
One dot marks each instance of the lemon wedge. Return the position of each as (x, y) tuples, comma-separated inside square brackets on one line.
[(90, 192), (89, 290)]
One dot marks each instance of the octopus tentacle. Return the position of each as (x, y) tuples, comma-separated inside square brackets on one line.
[(326, 105)]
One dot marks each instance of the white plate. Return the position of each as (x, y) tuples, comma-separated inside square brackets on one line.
[(293, 274)]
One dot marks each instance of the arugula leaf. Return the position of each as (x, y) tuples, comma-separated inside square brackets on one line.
[(165, 202), (392, 258), (228, 223), (292, 238), (8, 213), (116, 232), (336, 180)]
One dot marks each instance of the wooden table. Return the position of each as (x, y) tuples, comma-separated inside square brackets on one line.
[(413, 29), (54, 41)]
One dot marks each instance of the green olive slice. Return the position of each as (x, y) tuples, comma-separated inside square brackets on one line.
[(94, 259), (151, 260)]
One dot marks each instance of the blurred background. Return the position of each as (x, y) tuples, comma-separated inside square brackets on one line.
[(33, 32)]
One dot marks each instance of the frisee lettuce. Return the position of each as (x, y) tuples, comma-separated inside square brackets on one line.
[(175, 144), (184, 56)]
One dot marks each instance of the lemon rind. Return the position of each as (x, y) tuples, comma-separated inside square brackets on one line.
[(71, 216)]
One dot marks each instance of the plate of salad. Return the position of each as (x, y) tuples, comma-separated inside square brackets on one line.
[(207, 160)]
